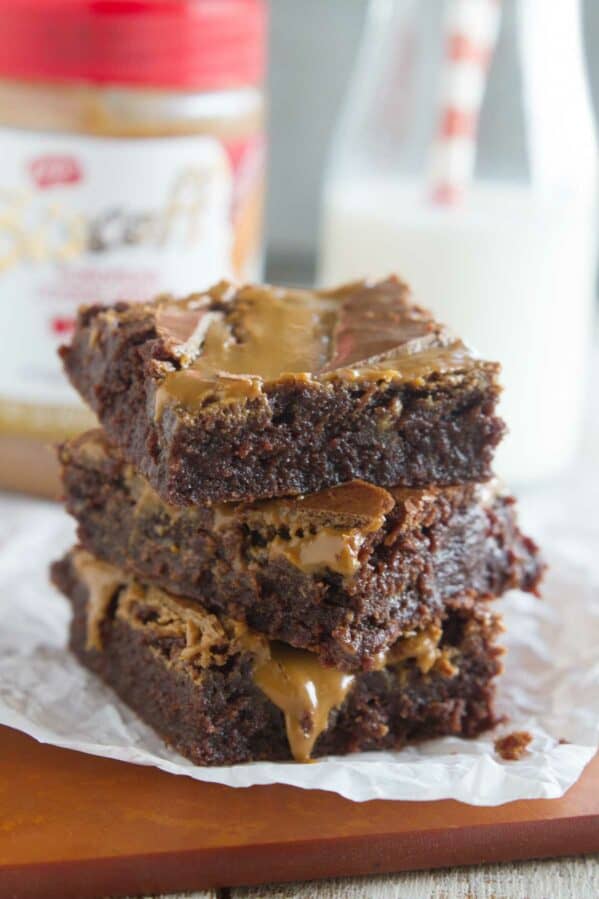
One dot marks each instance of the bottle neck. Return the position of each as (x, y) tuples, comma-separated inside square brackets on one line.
[(561, 136)]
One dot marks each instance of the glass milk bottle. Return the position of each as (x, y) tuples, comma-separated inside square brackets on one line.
[(465, 160)]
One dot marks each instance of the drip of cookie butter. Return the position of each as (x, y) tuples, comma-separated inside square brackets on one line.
[(259, 335), (307, 692), (102, 582), (268, 333)]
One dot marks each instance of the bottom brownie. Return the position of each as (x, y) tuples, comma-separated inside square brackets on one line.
[(220, 694)]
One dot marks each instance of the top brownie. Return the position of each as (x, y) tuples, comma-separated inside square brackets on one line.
[(242, 393)]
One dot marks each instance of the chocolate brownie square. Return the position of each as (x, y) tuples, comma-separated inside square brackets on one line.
[(250, 392)]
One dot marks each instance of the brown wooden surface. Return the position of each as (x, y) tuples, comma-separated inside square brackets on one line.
[(73, 825)]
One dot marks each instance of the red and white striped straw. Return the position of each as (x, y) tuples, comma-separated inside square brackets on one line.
[(471, 32)]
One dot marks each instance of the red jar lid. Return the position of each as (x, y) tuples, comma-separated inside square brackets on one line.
[(184, 44)]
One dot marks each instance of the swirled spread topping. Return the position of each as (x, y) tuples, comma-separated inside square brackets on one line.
[(232, 343)]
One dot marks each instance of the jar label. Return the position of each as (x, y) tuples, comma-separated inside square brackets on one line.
[(95, 220)]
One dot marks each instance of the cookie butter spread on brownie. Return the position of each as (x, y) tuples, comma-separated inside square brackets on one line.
[(251, 392), (221, 694), (261, 335)]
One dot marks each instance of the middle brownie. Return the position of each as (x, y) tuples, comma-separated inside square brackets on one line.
[(343, 573)]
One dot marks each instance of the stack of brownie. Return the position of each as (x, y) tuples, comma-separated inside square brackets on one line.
[(288, 531)]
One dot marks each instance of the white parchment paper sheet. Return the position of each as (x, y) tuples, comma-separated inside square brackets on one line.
[(550, 688)]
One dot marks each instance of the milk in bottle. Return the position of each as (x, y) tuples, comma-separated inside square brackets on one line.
[(509, 262)]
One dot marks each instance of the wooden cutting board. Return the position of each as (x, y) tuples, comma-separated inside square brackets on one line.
[(74, 827)]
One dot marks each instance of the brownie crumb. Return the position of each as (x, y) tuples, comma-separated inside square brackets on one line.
[(512, 747)]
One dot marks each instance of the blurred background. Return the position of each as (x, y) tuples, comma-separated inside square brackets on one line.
[(308, 74), (450, 141)]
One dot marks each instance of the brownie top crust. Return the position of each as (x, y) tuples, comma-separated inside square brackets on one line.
[(294, 680), (231, 342)]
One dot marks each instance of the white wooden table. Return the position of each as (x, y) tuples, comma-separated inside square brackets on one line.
[(568, 878)]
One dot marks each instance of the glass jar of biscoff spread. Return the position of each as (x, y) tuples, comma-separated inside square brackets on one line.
[(131, 163)]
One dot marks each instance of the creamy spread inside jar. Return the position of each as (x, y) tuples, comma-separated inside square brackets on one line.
[(131, 163)]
